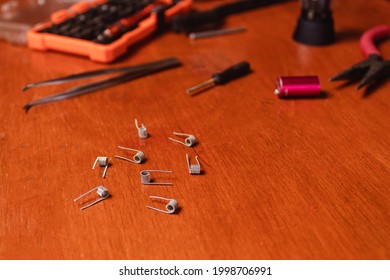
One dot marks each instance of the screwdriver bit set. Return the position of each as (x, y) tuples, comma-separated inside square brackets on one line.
[(103, 29)]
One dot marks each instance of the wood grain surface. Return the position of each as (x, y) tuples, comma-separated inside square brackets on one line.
[(283, 179)]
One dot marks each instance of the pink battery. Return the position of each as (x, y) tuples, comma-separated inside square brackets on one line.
[(292, 86)]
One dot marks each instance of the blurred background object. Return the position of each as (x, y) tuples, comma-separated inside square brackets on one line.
[(18, 16), (315, 24), (212, 19)]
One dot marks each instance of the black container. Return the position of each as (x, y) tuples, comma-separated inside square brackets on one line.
[(315, 33)]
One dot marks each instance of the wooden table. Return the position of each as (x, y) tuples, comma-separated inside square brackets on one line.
[(283, 179)]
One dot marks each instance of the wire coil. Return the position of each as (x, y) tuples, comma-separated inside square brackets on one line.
[(189, 141), (142, 131), (147, 180), (137, 158), (171, 206)]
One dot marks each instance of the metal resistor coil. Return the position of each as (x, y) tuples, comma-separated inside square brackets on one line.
[(147, 180), (142, 131), (100, 190), (171, 206), (189, 141), (137, 158), (102, 162), (193, 168)]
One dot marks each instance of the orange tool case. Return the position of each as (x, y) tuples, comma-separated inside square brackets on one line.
[(104, 29)]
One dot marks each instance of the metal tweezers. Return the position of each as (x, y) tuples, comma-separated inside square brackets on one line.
[(128, 73)]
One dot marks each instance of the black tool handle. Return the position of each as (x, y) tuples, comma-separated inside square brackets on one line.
[(215, 16), (194, 20), (236, 7), (233, 72)]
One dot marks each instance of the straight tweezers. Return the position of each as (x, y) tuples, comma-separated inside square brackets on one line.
[(130, 73)]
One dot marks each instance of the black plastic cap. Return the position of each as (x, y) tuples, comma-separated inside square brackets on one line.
[(314, 33)]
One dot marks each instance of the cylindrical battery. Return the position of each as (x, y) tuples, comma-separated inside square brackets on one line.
[(291, 86)]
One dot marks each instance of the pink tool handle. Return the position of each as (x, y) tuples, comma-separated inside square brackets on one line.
[(370, 36)]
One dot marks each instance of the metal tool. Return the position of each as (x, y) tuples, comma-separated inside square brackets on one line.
[(126, 24), (127, 73), (373, 69), (231, 73), (213, 33)]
